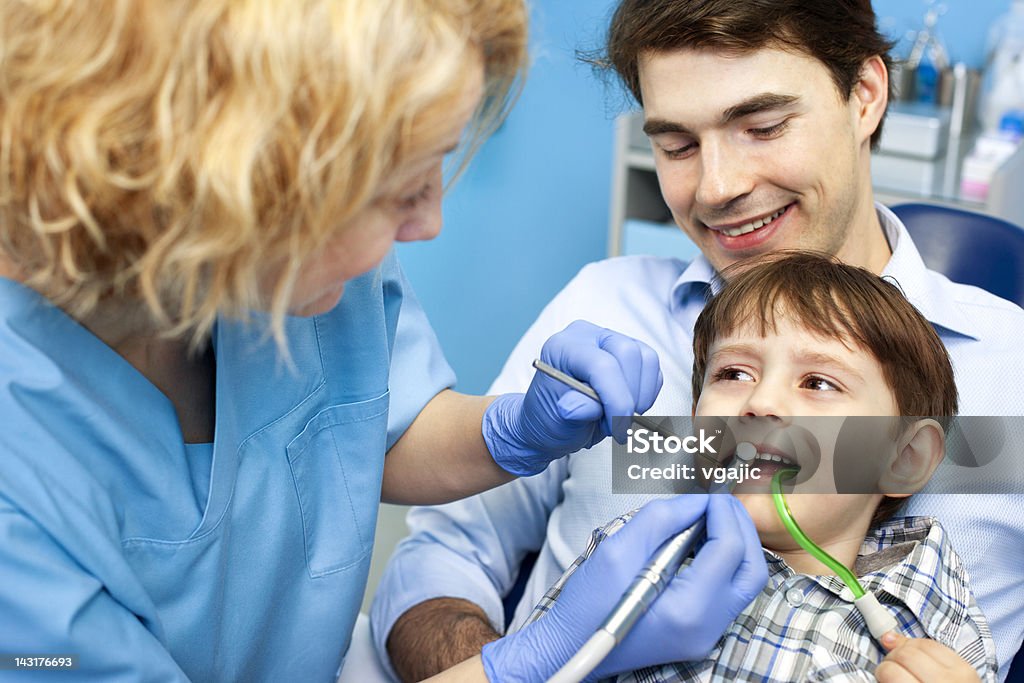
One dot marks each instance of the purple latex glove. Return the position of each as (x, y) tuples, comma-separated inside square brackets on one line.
[(525, 432), (683, 624)]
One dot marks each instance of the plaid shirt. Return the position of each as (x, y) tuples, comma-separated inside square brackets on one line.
[(806, 628)]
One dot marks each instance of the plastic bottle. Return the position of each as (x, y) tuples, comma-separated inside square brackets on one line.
[(927, 86), (928, 57), (1006, 68)]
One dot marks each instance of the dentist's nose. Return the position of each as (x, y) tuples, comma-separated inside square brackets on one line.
[(425, 221), (724, 177), (425, 226)]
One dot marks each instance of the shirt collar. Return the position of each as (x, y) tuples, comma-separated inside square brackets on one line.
[(55, 343), (692, 287), (922, 287), (930, 567), (906, 268), (879, 542), (929, 563)]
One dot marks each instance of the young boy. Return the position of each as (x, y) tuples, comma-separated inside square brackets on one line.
[(800, 334)]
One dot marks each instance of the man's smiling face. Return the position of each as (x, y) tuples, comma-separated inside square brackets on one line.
[(759, 151)]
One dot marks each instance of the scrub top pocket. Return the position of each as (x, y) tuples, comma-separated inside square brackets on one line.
[(337, 463)]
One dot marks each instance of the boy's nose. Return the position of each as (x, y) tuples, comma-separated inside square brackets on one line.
[(765, 400)]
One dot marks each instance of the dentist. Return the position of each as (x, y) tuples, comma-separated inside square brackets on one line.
[(207, 347)]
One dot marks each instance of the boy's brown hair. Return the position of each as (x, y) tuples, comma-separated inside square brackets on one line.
[(836, 301)]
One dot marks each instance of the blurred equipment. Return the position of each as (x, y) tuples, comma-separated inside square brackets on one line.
[(1002, 106), (1004, 93), (915, 129), (991, 151), (919, 76)]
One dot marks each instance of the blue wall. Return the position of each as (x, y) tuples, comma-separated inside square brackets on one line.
[(963, 28), (533, 206), (531, 209)]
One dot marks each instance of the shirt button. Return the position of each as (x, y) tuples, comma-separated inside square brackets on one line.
[(795, 597)]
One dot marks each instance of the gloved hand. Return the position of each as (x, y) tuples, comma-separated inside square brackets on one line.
[(683, 624), (525, 432)]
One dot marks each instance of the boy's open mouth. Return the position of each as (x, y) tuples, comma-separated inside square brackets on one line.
[(786, 449), (768, 461)]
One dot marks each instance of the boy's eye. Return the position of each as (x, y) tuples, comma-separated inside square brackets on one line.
[(815, 383), (734, 375)]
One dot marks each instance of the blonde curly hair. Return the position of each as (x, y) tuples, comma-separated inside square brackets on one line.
[(165, 153)]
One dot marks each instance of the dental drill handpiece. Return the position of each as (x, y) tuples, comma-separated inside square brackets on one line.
[(665, 563), (642, 592)]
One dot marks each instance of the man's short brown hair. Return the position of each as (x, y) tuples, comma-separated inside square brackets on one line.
[(841, 34)]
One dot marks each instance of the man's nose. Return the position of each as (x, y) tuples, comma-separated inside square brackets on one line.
[(724, 174)]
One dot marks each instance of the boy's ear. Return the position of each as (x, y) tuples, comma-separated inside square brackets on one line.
[(919, 450)]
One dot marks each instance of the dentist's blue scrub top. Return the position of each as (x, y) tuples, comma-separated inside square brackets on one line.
[(244, 560)]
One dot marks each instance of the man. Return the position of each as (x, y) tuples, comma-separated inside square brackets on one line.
[(762, 116)]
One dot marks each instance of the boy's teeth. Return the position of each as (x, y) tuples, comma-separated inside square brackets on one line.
[(753, 225), (771, 457)]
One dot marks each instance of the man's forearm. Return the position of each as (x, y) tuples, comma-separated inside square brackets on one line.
[(436, 635)]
